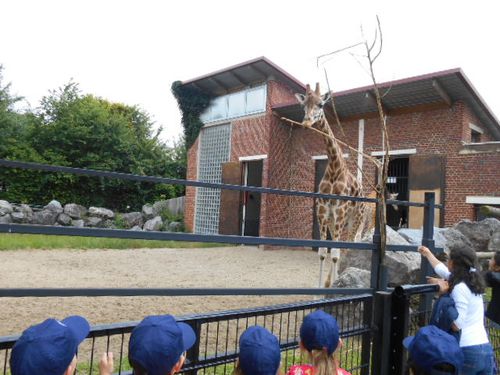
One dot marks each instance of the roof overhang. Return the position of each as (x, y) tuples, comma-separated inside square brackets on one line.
[(249, 73), (432, 90)]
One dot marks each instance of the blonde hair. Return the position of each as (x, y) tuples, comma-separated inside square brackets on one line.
[(323, 363), (237, 369)]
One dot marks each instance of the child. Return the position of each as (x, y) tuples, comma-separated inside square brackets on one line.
[(49, 348), (433, 351), (158, 345), (319, 337), (259, 353), (493, 280)]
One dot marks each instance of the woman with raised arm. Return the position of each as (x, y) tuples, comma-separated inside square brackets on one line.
[(466, 286)]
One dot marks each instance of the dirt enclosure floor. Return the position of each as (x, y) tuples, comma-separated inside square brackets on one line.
[(226, 267)]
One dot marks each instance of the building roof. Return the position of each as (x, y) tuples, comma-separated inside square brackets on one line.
[(246, 74), (440, 88)]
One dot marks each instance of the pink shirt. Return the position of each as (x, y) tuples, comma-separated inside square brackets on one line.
[(309, 370)]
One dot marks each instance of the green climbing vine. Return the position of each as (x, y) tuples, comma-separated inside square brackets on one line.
[(192, 102)]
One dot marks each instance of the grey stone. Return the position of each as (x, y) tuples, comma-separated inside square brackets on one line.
[(159, 206), (79, 223), (93, 221), (413, 236), (132, 219), (64, 219), (54, 206), (494, 243), (353, 278), (26, 210), (5, 208), (137, 228), (19, 218), (6, 219), (454, 239), (478, 232), (108, 224), (147, 211), (154, 224), (75, 211), (101, 212), (45, 217), (174, 226)]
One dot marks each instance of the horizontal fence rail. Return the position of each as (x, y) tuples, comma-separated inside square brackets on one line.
[(176, 181), (218, 334)]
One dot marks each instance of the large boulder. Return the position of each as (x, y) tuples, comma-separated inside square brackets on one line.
[(26, 212), (148, 212), (64, 219), (494, 243), (159, 206), (454, 239), (478, 232), (101, 212), (6, 219), (153, 225), (78, 223), (132, 219), (5, 208), (353, 278), (93, 221), (75, 211), (175, 226), (403, 267), (54, 206), (45, 217)]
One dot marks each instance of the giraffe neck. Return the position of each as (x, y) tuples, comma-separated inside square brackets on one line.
[(336, 162)]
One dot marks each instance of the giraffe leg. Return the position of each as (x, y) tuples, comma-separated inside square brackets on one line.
[(335, 231), (322, 251)]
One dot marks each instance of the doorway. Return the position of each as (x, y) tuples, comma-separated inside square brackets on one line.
[(252, 176), (397, 183)]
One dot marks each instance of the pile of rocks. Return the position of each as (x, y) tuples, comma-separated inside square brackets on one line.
[(72, 214)]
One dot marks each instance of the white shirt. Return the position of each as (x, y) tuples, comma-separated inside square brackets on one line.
[(470, 309)]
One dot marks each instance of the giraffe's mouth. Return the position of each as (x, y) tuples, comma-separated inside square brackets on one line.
[(307, 123)]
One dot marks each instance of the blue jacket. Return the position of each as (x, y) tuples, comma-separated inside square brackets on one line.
[(444, 313)]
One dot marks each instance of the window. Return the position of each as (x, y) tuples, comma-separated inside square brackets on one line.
[(475, 137), (239, 104)]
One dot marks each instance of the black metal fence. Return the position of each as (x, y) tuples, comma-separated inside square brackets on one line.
[(365, 319)]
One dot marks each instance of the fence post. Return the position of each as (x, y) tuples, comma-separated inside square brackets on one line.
[(193, 354), (428, 241), (378, 279), (366, 341), (382, 334), (400, 313)]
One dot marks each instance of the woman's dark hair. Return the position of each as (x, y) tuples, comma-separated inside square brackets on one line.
[(465, 269), (497, 259)]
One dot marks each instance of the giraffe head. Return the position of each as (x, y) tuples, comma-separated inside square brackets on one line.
[(313, 103)]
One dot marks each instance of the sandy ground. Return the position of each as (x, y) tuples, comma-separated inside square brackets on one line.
[(227, 267)]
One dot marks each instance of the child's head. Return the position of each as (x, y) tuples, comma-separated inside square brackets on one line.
[(259, 352), (319, 335), (157, 345), (463, 265), (433, 351), (495, 262), (49, 347)]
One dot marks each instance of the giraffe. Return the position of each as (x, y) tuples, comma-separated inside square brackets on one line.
[(334, 215)]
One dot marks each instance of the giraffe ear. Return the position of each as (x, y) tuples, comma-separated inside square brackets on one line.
[(325, 97), (300, 97)]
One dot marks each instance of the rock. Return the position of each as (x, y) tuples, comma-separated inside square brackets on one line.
[(101, 212), (137, 228), (6, 219), (478, 232), (444, 238), (147, 211), (26, 211), (454, 239), (19, 217), (154, 224), (413, 236), (45, 217), (494, 243), (75, 211), (78, 223), (64, 219), (54, 206), (175, 226), (93, 221), (403, 267), (159, 206), (108, 224), (353, 278), (132, 219), (5, 208)]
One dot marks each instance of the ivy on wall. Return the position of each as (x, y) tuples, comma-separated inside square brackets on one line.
[(192, 102)]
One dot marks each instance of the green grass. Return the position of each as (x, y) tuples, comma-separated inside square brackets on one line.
[(11, 241)]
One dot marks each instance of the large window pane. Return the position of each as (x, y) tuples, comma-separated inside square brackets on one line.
[(236, 104), (219, 109), (256, 100)]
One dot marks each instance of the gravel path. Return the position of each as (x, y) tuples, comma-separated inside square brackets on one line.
[(226, 267)]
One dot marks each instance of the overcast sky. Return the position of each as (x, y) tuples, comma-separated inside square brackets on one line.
[(131, 51)]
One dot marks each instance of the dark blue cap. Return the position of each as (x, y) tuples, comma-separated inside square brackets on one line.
[(157, 343), (259, 352), (432, 346), (49, 347), (320, 331)]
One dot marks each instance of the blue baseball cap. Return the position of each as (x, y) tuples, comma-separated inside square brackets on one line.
[(432, 346), (157, 343), (259, 352), (49, 347), (320, 331)]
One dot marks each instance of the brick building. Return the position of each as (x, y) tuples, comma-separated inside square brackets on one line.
[(443, 138)]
